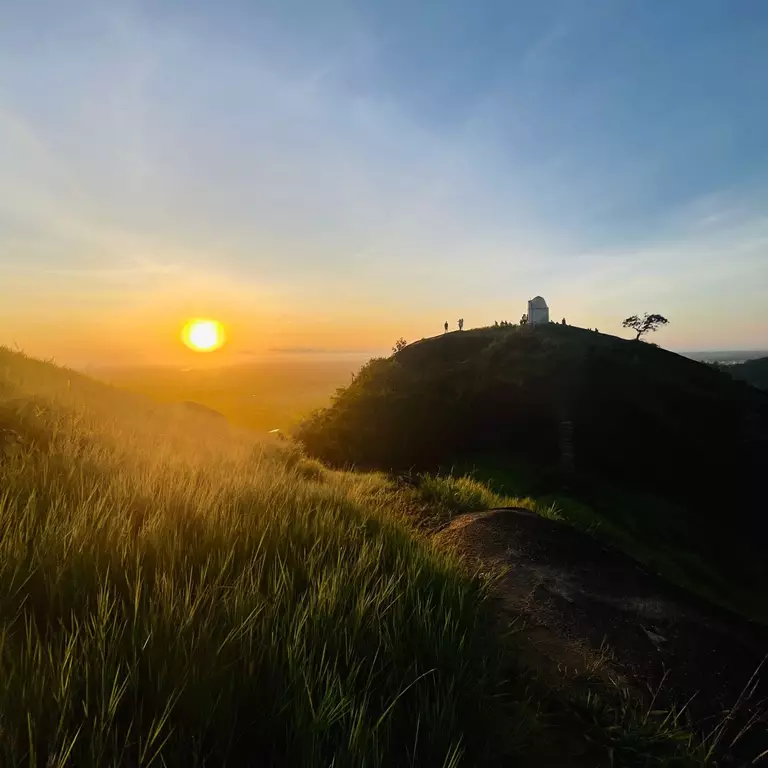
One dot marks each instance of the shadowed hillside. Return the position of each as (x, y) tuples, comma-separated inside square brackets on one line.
[(754, 372), (584, 413)]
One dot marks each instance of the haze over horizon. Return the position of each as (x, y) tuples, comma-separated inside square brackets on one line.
[(334, 176)]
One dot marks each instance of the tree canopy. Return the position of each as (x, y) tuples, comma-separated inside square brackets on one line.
[(645, 324), (399, 345)]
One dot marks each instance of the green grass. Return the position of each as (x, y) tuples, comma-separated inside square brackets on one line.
[(440, 497), (647, 527), (175, 594)]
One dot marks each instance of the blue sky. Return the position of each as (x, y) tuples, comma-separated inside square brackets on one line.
[(338, 174)]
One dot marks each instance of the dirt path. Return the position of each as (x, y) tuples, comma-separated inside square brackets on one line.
[(585, 604)]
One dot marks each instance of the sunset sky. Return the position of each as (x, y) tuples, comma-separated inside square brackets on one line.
[(330, 176)]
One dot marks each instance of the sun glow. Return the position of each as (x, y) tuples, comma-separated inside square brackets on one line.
[(203, 335)]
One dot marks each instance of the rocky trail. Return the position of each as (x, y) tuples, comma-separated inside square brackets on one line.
[(592, 609)]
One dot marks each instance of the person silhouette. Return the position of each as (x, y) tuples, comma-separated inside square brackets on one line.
[(446, 326), (461, 324)]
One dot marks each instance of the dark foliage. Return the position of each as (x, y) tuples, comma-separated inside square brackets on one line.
[(399, 345), (641, 416), (754, 372), (645, 324)]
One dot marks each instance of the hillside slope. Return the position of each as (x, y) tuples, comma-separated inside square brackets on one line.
[(754, 372), (582, 596), (587, 414), (173, 592)]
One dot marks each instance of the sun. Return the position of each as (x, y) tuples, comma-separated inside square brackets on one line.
[(203, 335)]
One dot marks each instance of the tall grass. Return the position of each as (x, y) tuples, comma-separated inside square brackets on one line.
[(174, 593), (457, 494)]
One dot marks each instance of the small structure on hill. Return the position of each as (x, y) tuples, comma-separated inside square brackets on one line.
[(538, 311)]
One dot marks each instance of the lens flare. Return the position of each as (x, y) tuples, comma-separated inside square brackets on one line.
[(203, 335)]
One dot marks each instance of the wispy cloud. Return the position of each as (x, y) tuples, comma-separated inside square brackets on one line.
[(366, 170)]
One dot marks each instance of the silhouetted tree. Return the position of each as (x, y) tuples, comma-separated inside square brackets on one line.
[(446, 326), (524, 320), (644, 324), (400, 344), (461, 323)]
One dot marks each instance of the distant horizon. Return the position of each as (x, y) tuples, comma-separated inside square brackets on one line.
[(320, 356)]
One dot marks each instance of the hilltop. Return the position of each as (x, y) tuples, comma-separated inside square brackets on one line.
[(650, 446)]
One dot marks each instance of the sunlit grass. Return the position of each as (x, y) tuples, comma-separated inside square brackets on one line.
[(175, 593), (457, 494)]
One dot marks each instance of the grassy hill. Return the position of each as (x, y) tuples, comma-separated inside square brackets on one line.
[(648, 445), (174, 591), (754, 372)]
